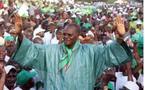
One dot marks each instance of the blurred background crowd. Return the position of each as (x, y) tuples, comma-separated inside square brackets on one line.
[(43, 23)]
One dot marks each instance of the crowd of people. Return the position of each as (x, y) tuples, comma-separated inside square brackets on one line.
[(70, 47)]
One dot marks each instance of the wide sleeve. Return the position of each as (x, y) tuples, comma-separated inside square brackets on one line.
[(117, 53), (30, 55), (113, 53)]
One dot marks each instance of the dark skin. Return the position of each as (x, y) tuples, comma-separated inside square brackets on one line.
[(71, 32), (41, 34), (59, 36), (52, 28), (28, 85), (2, 52), (10, 47), (70, 36), (11, 79), (2, 32)]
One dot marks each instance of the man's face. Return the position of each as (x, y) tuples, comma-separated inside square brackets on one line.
[(9, 43), (52, 28), (70, 36), (41, 34), (59, 35), (11, 78), (10, 47)]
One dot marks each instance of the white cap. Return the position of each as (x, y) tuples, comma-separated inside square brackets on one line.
[(74, 16), (37, 16), (8, 68), (38, 30), (138, 22), (90, 33), (131, 85)]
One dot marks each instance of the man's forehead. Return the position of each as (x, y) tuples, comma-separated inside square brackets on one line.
[(70, 30)]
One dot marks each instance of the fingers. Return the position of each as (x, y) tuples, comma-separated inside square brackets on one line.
[(119, 20), (18, 19)]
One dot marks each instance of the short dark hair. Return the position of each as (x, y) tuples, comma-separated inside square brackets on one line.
[(75, 26)]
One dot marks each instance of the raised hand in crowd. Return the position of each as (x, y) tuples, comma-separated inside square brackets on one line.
[(120, 26)]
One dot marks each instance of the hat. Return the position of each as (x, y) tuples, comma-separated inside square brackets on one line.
[(90, 33), (38, 30), (2, 41), (8, 68), (74, 16), (133, 17), (138, 22), (24, 76), (9, 38), (131, 85)]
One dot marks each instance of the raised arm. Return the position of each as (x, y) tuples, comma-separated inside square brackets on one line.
[(119, 49), (28, 53), (114, 53)]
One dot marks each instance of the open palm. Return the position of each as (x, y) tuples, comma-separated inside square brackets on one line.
[(18, 24), (120, 26)]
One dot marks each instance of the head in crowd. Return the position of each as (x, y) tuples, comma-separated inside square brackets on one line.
[(25, 79), (10, 77)]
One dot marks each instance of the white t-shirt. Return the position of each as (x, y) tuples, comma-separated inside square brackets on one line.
[(140, 79), (49, 40)]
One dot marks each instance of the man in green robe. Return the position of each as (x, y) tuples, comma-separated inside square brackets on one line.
[(70, 65)]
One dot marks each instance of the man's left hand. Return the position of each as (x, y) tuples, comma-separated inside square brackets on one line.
[(120, 26)]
